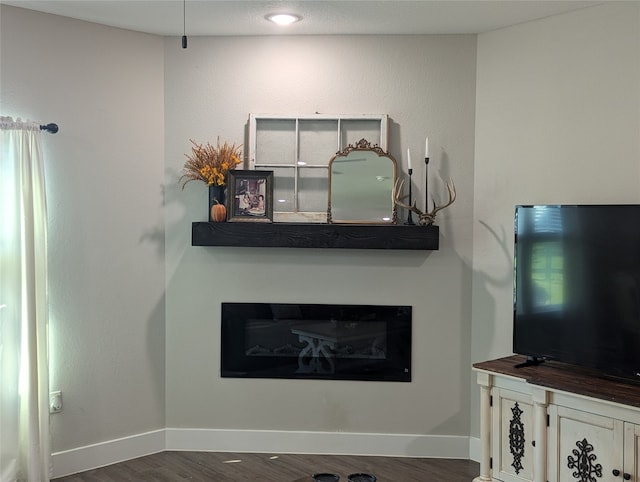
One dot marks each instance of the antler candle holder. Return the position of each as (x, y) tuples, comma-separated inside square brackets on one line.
[(425, 218)]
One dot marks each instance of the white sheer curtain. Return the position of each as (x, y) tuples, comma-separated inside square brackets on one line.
[(24, 375)]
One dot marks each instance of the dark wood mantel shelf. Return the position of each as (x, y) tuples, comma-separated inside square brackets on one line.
[(303, 235)]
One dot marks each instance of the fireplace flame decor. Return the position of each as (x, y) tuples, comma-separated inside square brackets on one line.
[(316, 341)]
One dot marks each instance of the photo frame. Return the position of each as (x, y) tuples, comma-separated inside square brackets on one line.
[(250, 196)]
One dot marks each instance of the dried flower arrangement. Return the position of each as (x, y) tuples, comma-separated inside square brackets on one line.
[(210, 164)]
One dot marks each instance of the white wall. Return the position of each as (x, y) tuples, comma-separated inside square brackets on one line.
[(426, 84), (104, 175), (557, 121), (558, 107), (120, 114)]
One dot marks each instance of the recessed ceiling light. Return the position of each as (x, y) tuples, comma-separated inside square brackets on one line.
[(283, 19)]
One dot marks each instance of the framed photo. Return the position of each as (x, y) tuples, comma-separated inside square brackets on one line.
[(250, 196)]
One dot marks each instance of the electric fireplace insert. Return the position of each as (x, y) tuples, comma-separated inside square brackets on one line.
[(316, 341)]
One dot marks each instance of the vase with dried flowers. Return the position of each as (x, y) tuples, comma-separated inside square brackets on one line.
[(211, 164)]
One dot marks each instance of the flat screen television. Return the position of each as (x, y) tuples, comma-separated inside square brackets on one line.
[(577, 286)]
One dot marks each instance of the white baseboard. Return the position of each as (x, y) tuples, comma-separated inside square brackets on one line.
[(474, 449), (259, 441), (329, 443), (107, 453)]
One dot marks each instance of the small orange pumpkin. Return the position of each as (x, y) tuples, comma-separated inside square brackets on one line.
[(218, 212)]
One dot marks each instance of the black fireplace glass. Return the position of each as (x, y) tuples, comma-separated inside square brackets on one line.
[(316, 341)]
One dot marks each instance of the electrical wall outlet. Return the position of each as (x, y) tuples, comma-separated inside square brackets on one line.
[(55, 402)]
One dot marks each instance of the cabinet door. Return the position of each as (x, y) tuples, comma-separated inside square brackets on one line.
[(584, 447), (631, 452), (512, 451)]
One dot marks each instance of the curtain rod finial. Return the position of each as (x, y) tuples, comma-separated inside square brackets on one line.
[(51, 128)]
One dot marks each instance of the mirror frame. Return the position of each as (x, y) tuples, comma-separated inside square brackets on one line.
[(360, 146)]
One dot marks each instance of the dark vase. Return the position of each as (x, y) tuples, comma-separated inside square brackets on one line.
[(217, 195)]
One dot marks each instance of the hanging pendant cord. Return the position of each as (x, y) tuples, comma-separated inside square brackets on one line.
[(184, 24)]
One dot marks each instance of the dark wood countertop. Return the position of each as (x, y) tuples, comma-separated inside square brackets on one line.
[(568, 378)]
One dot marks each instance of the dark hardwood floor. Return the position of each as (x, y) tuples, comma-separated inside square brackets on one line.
[(244, 467)]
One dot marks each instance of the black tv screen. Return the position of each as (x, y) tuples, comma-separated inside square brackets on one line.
[(577, 286)]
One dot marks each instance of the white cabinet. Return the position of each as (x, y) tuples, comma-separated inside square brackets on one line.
[(584, 446), (631, 452), (512, 447), (513, 428), (553, 423)]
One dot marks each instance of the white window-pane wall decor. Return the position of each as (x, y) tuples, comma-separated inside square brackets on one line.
[(298, 148)]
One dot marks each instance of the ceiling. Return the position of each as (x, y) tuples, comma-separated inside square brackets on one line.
[(320, 17)]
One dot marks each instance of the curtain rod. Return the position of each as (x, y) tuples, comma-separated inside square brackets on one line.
[(51, 128)]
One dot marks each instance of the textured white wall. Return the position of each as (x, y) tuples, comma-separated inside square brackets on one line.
[(427, 86), (104, 174), (557, 121)]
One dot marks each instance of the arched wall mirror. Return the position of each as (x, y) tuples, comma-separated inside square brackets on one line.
[(361, 180)]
